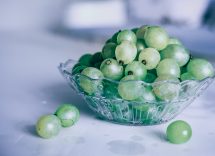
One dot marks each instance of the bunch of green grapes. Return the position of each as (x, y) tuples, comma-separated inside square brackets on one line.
[(145, 54)]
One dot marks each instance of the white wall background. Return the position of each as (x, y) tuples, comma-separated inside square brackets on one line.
[(40, 14), (187, 12), (30, 14)]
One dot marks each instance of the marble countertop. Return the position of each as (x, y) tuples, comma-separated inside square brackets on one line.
[(32, 86)]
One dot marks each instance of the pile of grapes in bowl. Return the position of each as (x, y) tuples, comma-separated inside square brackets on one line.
[(141, 76)]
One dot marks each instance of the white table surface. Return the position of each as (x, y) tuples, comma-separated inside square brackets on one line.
[(31, 86)]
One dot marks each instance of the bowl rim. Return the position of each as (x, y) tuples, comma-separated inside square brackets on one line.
[(62, 68)]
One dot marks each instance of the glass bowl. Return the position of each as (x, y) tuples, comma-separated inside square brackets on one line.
[(107, 103)]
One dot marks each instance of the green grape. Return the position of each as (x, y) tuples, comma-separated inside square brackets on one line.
[(178, 132), (134, 30), (167, 90), (126, 35), (156, 37), (187, 76), (121, 112), (147, 113), (97, 57), (141, 31), (76, 65), (108, 41), (88, 82), (176, 52), (97, 65), (137, 69), (114, 37), (183, 69), (140, 45), (150, 57), (153, 71), (129, 88), (108, 51), (110, 90), (150, 77), (126, 52), (168, 67), (173, 40), (78, 68), (48, 126), (200, 68), (143, 113), (111, 69), (147, 95), (85, 59), (67, 114)]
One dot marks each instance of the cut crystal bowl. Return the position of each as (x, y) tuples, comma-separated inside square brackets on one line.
[(106, 102)]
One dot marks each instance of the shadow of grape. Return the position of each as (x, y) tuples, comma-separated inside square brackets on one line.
[(30, 129), (160, 135)]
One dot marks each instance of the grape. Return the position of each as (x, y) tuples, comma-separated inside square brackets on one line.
[(200, 68), (85, 59), (167, 90), (168, 67), (97, 65), (48, 126), (108, 50), (141, 32), (183, 69), (126, 35), (114, 37), (67, 114), (129, 88), (156, 37), (134, 30), (111, 69), (143, 113), (76, 65), (187, 76), (147, 94), (110, 90), (173, 40), (108, 41), (78, 68), (125, 52), (150, 77), (178, 132), (88, 82), (149, 57), (97, 57), (177, 52), (122, 112), (140, 45), (137, 69), (153, 71)]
